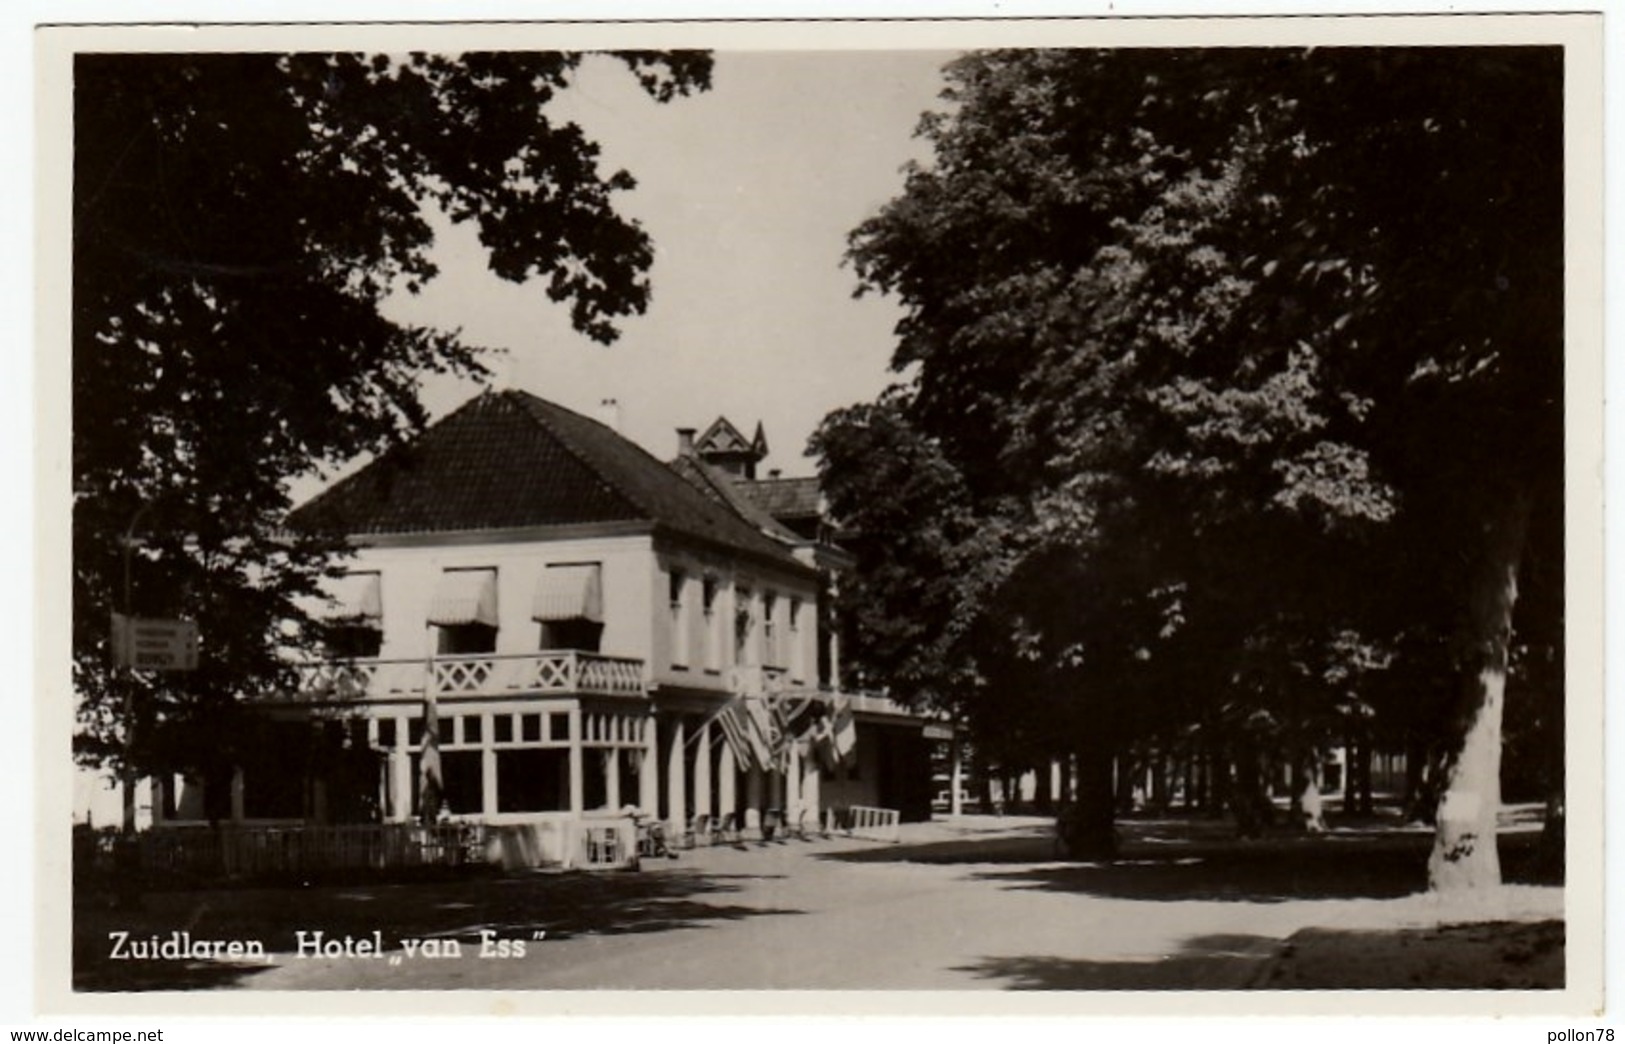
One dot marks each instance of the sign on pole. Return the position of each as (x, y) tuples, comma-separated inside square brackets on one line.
[(154, 645)]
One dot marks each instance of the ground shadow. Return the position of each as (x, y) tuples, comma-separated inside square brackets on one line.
[(1484, 956), (1183, 860), (512, 907), (1204, 962)]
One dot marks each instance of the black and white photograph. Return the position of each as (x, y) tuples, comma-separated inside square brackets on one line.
[(1103, 513)]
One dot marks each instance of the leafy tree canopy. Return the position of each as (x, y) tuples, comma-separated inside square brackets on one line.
[(238, 219), (1234, 353)]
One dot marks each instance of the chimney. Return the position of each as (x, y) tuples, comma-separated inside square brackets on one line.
[(609, 414), (685, 442)]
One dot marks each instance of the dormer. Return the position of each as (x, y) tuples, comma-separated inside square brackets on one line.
[(725, 448)]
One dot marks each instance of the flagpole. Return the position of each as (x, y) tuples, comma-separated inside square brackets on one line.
[(431, 728)]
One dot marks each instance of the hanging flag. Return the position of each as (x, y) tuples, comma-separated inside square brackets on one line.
[(431, 784), (823, 745), (732, 725), (759, 733), (781, 737), (845, 727)]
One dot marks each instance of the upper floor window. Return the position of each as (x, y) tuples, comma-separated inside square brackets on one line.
[(464, 612), (713, 624), (348, 641), (744, 625), (677, 583), (797, 657), (569, 606), (770, 633), (355, 620)]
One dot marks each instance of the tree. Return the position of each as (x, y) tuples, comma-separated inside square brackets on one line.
[(238, 220), (1214, 337)]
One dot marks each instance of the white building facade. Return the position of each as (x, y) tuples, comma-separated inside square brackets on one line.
[(570, 617)]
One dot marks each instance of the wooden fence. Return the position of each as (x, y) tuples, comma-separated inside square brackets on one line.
[(272, 851)]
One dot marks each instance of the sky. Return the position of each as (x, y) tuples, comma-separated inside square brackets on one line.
[(748, 192)]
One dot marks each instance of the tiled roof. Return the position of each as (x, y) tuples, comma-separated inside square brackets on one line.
[(726, 490), (783, 497), (508, 460)]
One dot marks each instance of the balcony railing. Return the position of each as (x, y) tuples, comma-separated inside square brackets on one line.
[(561, 671)]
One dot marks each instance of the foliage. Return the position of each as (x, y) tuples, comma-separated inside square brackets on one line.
[(238, 220), (1232, 352)]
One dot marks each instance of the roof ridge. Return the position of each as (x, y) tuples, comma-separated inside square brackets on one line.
[(727, 489)]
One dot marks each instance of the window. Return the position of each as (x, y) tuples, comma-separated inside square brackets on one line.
[(464, 611), (386, 733), (472, 728), (535, 780), (569, 605), (770, 634), (462, 772), (744, 625), (797, 658), (502, 728), (713, 640), (353, 641), (469, 639), (582, 635), (677, 584), (354, 624), (270, 789)]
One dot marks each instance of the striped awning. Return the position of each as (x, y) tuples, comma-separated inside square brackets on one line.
[(465, 596), (570, 592), (357, 596)]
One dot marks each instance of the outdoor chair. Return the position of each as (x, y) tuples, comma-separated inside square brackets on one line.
[(699, 831)]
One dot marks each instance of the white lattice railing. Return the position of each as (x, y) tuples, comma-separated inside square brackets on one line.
[(563, 671)]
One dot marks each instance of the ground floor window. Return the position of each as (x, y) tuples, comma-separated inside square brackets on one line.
[(274, 771), (463, 775), (533, 780)]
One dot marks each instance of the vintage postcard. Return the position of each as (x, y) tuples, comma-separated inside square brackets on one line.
[(989, 516)]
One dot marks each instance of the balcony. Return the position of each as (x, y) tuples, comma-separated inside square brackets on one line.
[(553, 671)]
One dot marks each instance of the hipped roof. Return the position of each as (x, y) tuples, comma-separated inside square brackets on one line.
[(510, 460)]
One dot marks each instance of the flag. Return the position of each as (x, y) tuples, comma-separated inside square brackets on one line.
[(779, 718), (759, 733), (844, 727), (431, 785), (823, 745), (733, 731), (794, 719)]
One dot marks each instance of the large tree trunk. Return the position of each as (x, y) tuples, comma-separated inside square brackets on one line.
[(1364, 765), (1464, 846), (1552, 837), (1159, 782), (1095, 833), (1249, 801)]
